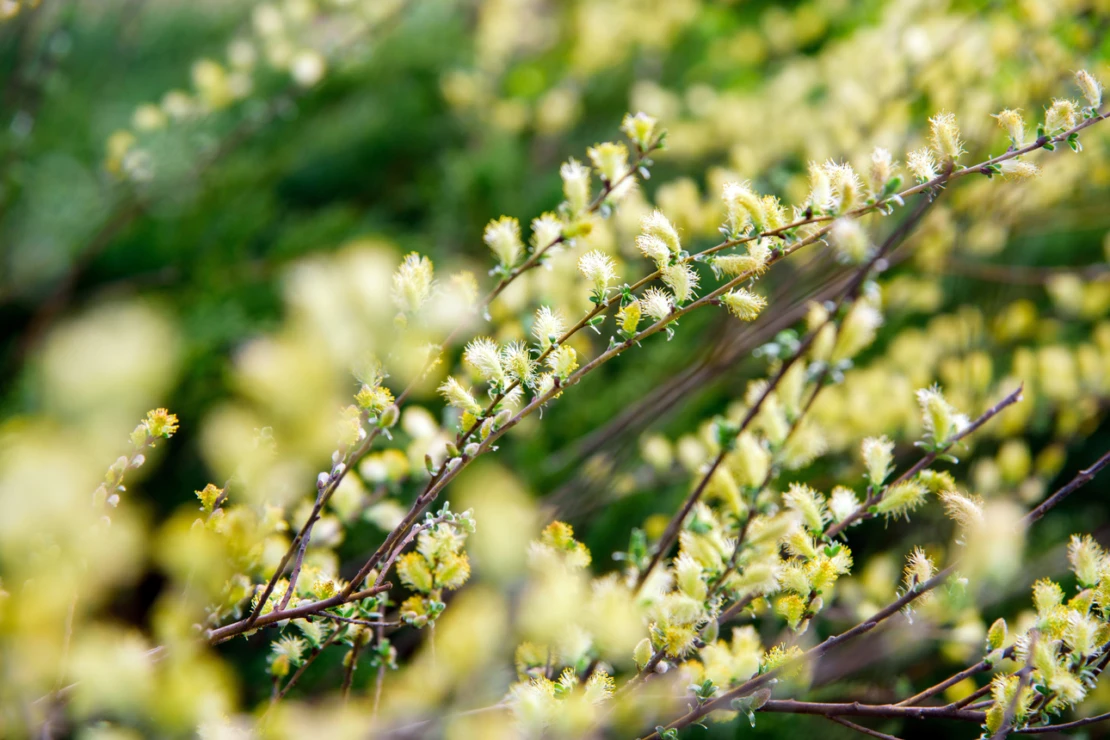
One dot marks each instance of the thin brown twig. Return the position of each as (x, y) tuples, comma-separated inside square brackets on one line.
[(228, 631), (863, 512), (1065, 726), (855, 709), (352, 664), (362, 622), (984, 665), (860, 728), (970, 698), (1081, 478), (298, 563)]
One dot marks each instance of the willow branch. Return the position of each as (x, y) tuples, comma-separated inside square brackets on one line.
[(850, 292), (222, 634), (1079, 480), (723, 701), (882, 615), (670, 534), (300, 542), (1065, 726), (457, 464), (862, 512), (984, 665), (855, 709)]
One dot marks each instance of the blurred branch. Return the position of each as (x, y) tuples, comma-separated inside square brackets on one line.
[(1024, 275), (855, 709), (860, 728)]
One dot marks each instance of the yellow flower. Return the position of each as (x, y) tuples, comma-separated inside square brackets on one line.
[(208, 496), (1060, 115), (376, 399), (412, 282), (945, 136), (1014, 124), (458, 396), (682, 281), (640, 128), (676, 640), (161, 423), (792, 608), (629, 317), (786, 658), (413, 571), (743, 207), (576, 185), (502, 236), (452, 571), (1090, 88), (610, 160), (878, 453), (744, 304), (901, 498)]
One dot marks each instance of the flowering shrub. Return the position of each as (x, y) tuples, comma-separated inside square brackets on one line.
[(357, 562)]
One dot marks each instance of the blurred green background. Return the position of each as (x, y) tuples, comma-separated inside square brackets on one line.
[(434, 117)]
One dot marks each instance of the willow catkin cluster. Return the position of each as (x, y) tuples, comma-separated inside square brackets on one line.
[(355, 414)]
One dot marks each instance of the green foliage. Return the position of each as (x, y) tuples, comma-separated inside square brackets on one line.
[(878, 284)]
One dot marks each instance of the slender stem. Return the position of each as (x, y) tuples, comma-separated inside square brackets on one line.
[(1065, 726), (970, 698), (301, 550), (352, 664), (860, 728), (863, 513), (855, 709), (300, 543), (363, 622), (643, 673), (1083, 477), (983, 665), (737, 607), (228, 631)]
